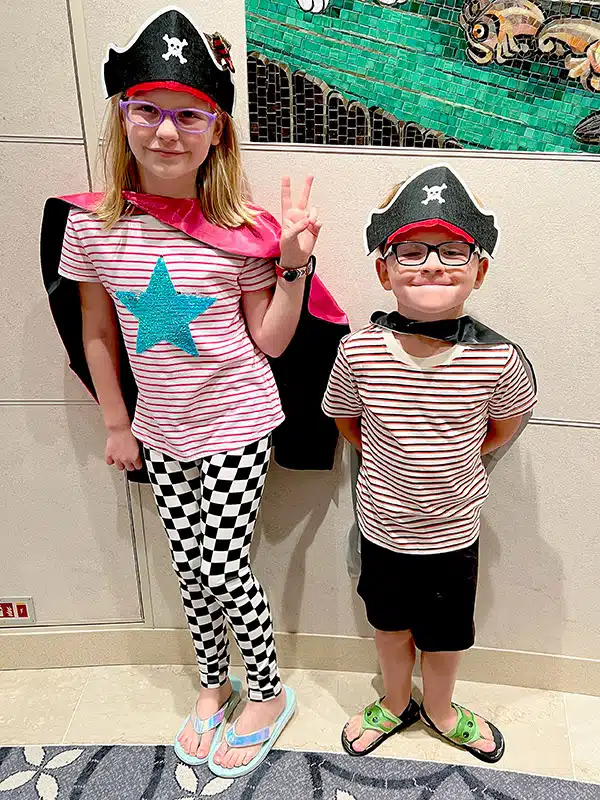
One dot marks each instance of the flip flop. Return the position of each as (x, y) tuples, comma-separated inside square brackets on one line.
[(378, 718), (267, 737), (466, 732), (217, 721)]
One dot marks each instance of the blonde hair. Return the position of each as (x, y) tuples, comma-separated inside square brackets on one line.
[(386, 201), (222, 185)]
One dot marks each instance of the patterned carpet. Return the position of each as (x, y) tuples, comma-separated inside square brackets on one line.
[(153, 773)]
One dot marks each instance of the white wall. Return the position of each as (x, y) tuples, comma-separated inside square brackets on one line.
[(67, 537)]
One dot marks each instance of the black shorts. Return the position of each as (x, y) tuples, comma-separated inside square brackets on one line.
[(432, 596)]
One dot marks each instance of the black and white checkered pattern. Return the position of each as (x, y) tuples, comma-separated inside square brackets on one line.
[(209, 509)]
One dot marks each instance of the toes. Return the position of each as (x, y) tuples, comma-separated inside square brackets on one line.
[(353, 728), (487, 743), (352, 731), (225, 757), (203, 749), (365, 740), (190, 748)]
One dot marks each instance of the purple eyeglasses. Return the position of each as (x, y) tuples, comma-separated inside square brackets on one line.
[(148, 115)]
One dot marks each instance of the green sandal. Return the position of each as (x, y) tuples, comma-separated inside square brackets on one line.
[(377, 718), (466, 732)]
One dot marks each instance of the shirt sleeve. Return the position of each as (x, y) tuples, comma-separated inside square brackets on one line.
[(341, 397), (256, 274), (75, 263), (514, 395)]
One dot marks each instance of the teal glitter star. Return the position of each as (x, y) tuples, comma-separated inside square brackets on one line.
[(164, 315)]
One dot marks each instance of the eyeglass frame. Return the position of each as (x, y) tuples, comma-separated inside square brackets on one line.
[(473, 248), (166, 112)]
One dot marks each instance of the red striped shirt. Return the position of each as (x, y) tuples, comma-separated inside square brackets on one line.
[(422, 482), (188, 406)]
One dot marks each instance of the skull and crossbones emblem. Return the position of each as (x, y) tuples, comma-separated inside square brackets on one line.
[(434, 193), (175, 47)]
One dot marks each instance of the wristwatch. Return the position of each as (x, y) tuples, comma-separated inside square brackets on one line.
[(291, 274)]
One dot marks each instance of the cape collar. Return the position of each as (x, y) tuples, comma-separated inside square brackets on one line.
[(259, 241), (446, 330), (464, 330)]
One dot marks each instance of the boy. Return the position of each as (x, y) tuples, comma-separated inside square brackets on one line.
[(423, 393)]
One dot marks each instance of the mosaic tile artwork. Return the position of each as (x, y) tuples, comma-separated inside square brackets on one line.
[(499, 74)]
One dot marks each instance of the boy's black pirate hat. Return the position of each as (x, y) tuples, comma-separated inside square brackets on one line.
[(435, 195)]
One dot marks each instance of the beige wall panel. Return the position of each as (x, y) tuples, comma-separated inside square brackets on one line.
[(37, 65), (112, 21), (29, 341), (164, 587), (539, 564), (298, 554), (540, 553), (540, 561), (543, 287), (66, 534)]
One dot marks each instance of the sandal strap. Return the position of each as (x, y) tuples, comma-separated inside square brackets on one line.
[(205, 725), (247, 739), (377, 718), (466, 730)]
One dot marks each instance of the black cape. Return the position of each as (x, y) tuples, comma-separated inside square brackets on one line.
[(306, 440), (465, 330)]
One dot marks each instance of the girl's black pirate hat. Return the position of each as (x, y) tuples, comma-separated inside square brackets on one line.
[(170, 51), (434, 195)]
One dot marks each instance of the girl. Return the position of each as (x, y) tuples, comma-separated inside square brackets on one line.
[(175, 255)]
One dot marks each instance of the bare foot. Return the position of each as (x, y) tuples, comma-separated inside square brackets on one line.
[(446, 724), (354, 725), (254, 717), (208, 703)]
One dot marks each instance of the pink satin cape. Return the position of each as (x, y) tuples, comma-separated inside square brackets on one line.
[(259, 241)]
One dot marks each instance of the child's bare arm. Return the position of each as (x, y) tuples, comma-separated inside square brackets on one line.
[(101, 346), (500, 431), (349, 427)]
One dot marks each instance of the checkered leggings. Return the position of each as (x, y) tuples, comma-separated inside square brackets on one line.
[(209, 509)]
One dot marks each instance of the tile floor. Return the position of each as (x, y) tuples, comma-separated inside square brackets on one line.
[(547, 733)]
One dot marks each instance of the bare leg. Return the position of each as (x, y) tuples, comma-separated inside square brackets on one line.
[(439, 672), (396, 652)]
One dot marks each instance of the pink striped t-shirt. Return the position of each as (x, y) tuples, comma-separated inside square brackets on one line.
[(189, 406)]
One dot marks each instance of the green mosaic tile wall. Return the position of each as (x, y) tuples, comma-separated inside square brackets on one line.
[(411, 60)]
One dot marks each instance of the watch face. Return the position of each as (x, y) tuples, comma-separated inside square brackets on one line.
[(290, 276)]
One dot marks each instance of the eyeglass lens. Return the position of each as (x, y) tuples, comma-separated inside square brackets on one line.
[(416, 253), (186, 119)]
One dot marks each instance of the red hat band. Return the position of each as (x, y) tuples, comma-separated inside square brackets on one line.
[(430, 223), (173, 86)]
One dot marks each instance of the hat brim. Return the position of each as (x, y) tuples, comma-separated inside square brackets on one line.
[(173, 86), (429, 223)]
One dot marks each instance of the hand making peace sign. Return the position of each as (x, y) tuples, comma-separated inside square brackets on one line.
[(299, 227)]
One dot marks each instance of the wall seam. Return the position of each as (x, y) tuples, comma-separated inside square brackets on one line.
[(558, 422), (79, 96), (419, 152), (349, 150), (17, 138), (83, 77)]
